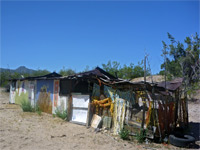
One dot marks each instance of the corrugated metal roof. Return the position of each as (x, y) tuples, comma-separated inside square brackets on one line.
[(171, 85), (52, 75), (98, 72)]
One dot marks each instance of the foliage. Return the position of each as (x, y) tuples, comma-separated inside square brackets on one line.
[(127, 71), (140, 136), (61, 114), (66, 72), (181, 61), (112, 67), (26, 106), (4, 77), (19, 98), (38, 110), (40, 72), (194, 87), (87, 68), (124, 134)]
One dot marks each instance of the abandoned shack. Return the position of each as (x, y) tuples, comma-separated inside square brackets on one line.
[(98, 99), (80, 89), (96, 96)]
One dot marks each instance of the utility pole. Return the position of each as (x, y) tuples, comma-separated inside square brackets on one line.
[(165, 68), (143, 115), (166, 101), (145, 68)]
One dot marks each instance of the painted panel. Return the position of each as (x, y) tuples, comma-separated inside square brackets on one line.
[(110, 92), (56, 93), (96, 90), (59, 102), (17, 87), (12, 93), (44, 96), (21, 92), (31, 94), (119, 114)]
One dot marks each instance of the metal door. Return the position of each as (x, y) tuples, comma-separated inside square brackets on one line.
[(80, 108)]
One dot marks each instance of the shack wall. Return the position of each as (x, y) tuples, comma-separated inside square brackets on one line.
[(12, 92), (59, 102), (24, 91), (44, 95)]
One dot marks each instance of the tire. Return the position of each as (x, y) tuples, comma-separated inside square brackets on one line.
[(181, 141)]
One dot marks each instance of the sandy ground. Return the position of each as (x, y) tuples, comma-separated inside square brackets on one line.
[(194, 118), (30, 131)]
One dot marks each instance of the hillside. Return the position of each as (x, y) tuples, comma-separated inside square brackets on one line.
[(21, 69)]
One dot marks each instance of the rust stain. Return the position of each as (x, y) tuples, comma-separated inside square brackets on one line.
[(44, 101)]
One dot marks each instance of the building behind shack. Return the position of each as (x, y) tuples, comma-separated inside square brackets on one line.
[(40, 91)]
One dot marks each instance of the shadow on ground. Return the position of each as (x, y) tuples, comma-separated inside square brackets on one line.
[(195, 132)]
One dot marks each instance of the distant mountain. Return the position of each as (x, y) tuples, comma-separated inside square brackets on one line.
[(21, 70)]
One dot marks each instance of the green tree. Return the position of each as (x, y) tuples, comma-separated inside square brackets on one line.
[(183, 62), (4, 77), (112, 67), (87, 68), (127, 71), (66, 72), (40, 72)]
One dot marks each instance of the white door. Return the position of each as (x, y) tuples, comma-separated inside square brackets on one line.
[(80, 108)]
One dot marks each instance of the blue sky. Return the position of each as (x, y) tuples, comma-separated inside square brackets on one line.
[(50, 34)]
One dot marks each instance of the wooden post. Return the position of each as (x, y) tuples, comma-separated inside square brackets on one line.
[(69, 109), (88, 116), (102, 89), (176, 106)]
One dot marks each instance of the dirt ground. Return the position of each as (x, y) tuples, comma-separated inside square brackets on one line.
[(31, 131), (194, 118)]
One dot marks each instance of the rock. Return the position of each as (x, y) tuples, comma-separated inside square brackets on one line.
[(116, 138), (105, 131), (97, 130)]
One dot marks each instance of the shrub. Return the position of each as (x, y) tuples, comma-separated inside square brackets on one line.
[(26, 106), (39, 113), (38, 110), (124, 134), (140, 136), (61, 114)]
